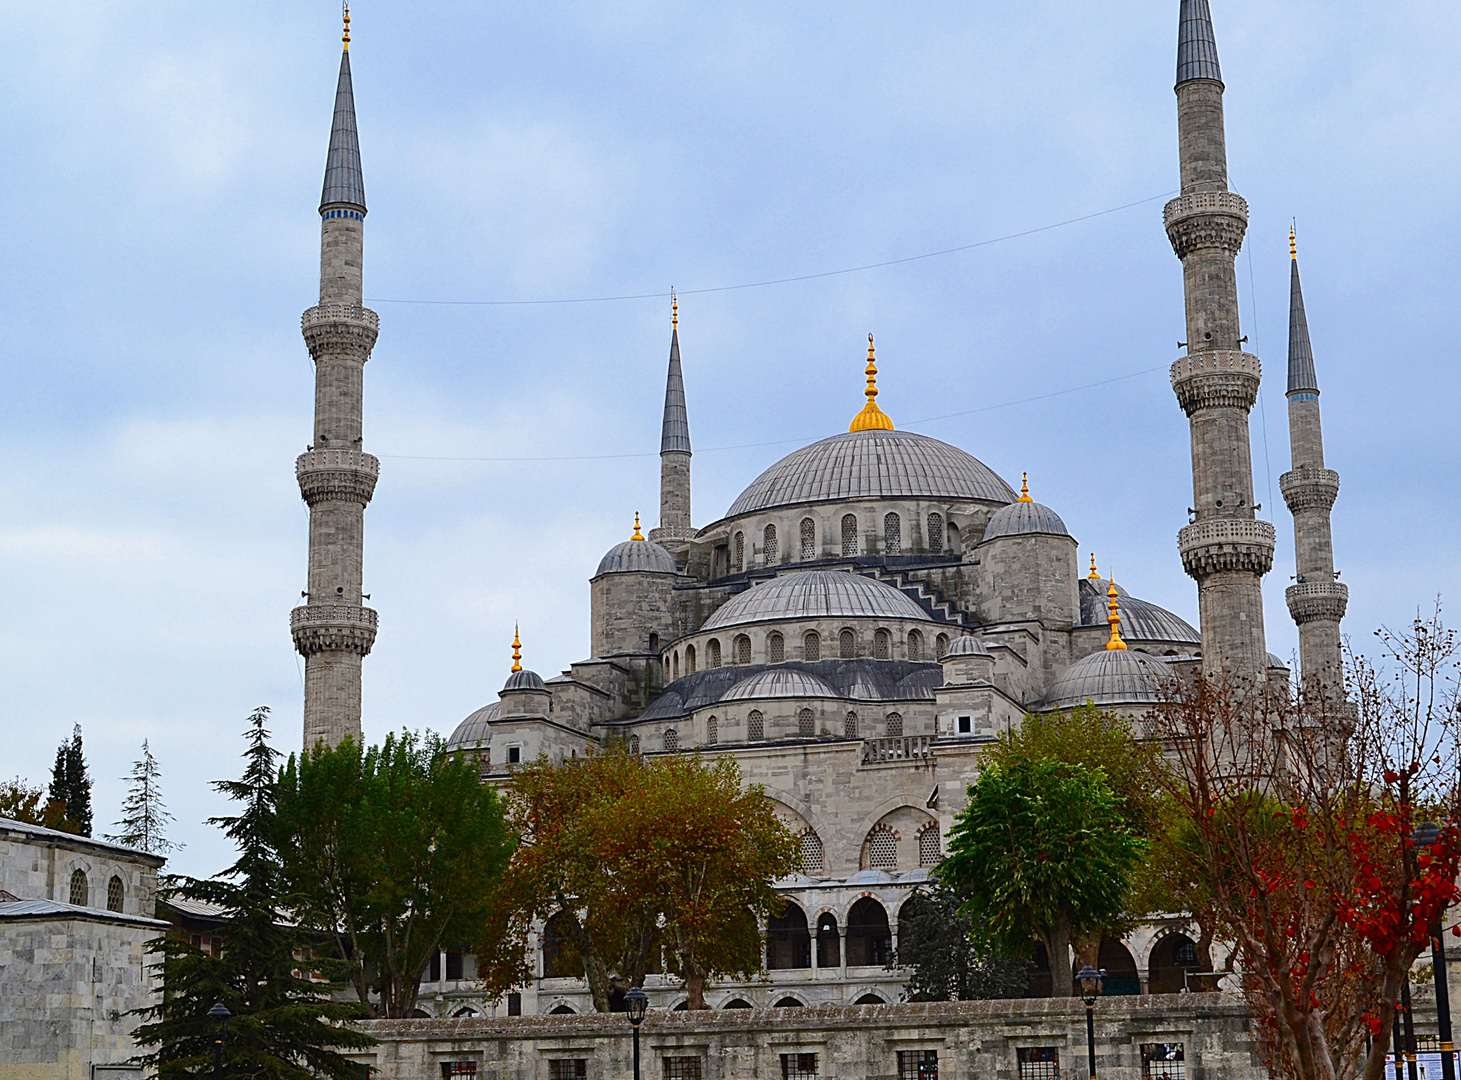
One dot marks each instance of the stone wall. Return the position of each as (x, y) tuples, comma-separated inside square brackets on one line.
[(39, 864)]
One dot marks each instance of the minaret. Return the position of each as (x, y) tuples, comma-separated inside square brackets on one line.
[(1225, 548), (332, 630), (1316, 601), (674, 448)]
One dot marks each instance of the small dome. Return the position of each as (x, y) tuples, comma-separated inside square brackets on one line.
[(780, 683), (815, 594), (1141, 620), (474, 730), (637, 557), (1021, 518), (966, 645), (524, 680), (1108, 677), (1275, 661)]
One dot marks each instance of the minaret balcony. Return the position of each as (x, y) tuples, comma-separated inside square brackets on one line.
[(321, 628), (335, 328), (1308, 488), (1216, 378), (1207, 219), (337, 476), (1226, 544), (1317, 601)]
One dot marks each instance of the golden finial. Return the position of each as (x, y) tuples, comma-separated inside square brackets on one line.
[(517, 650), (1094, 575), (346, 37), (1024, 488), (871, 418), (1293, 244), (1114, 606), (674, 311), (636, 535)]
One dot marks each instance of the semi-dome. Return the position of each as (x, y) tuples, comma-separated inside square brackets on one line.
[(474, 730), (1022, 517), (524, 680), (1108, 677), (873, 464), (637, 556), (815, 594), (965, 645), (780, 683)]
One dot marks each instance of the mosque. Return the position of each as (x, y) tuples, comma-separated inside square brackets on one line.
[(867, 616)]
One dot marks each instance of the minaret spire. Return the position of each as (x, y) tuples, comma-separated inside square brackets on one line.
[(1225, 548), (1316, 601), (674, 447), (333, 629)]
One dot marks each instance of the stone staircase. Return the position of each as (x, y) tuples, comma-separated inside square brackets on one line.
[(929, 597)]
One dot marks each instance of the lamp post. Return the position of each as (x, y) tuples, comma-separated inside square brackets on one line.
[(1090, 980), (218, 1014), (637, 1002), (1426, 836)]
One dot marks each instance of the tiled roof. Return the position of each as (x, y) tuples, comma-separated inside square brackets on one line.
[(815, 594)]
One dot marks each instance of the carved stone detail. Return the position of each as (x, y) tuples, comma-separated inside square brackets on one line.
[(1307, 488), (1317, 601), (1216, 378), (1209, 547), (337, 476), (1210, 219), (337, 328), (321, 628)]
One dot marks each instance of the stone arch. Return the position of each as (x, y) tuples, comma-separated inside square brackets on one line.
[(953, 547), (813, 854), (892, 534), (795, 810), (869, 938), (466, 1012), (775, 648), (828, 941), (847, 644), (788, 942), (672, 739), (870, 997), (743, 650), (1173, 955), (80, 890), (563, 1009), (811, 646), (1122, 976), (808, 539), (935, 533), (737, 1003), (712, 653), (941, 646), (882, 644), (790, 1001), (675, 664), (849, 534), (768, 543)]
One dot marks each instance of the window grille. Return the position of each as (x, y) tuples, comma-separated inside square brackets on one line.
[(1186, 954), (942, 644), (740, 556), (849, 726), (847, 645), (882, 645), (1163, 1061), (915, 645), (849, 534), (811, 851), (882, 849), (672, 739), (809, 539), (892, 534), (895, 725), (798, 1066), (755, 726), (917, 1065), (770, 544), (1038, 1062), (743, 650), (78, 888), (114, 894), (806, 724), (936, 534), (514, 755), (568, 1069), (484, 763), (811, 647), (683, 1068), (712, 650), (690, 660), (929, 850), (453, 1070), (712, 731), (775, 649), (634, 744)]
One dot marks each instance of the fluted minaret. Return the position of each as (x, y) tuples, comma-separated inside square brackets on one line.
[(332, 629), (674, 448), (1225, 548), (1316, 601)]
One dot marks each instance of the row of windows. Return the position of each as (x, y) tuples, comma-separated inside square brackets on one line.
[(806, 728), (81, 891), (811, 649), (880, 849), (938, 539)]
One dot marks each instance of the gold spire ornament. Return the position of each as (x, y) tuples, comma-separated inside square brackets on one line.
[(637, 535), (1293, 243), (346, 37), (1094, 575), (517, 650), (674, 311), (1114, 606), (1024, 488), (871, 418)]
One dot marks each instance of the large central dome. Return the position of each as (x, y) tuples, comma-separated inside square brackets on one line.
[(876, 464)]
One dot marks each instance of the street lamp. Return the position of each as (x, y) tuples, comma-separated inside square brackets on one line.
[(218, 1014), (1090, 980), (1426, 836), (637, 1002)]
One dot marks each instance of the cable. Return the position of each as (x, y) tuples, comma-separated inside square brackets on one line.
[(778, 281), (1262, 411)]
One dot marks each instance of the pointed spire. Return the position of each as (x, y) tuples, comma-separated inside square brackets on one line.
[(517, 650), (344, 180), (871, 418), (1302, 379), (1114, 607), (1024, 488), (637, 534), (1197, 55), (675, 434), (1094, 575)]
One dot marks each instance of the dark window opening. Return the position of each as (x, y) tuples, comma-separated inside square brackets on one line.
[(917, 1065), (452, 1069), (1038, 1062), (433, 971), (514, 1004), (1163, 1061), (683, 1068), (966, 725), (454, 965), (798, 1066), (568, 1069)]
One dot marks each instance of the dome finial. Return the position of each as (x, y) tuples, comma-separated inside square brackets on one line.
[(517, 650), (1114, 606), (1024, 488), (871, 418), (1094, 575), (346, 37), (1293, 243), (637, 535), (674, 311)]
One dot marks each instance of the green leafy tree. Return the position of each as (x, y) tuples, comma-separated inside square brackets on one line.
[(938, 947), (71, 783), (284, 1025), (21, 802), (144, 815), (1043, 849), (392, 854)]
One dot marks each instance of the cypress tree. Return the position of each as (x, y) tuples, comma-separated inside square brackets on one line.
[(144, 815), (71, 784)]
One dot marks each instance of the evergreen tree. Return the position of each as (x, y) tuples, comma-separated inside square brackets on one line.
[(937, 946), (70, 783), (144, 816), (284, 1025)]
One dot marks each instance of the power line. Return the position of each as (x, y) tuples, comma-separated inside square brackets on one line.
[(783, 280)]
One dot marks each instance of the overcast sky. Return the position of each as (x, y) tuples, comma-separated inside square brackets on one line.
[(160, 172)]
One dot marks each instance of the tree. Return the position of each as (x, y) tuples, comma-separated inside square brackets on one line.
[(938, 947), (144, 815), (21, 802), (284, 1025), (1042, 849), (391, 854), (70, 782)]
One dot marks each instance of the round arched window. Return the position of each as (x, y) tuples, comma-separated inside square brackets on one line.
[(809, 539), (775, 648), (738, 560), (847, 645), (769, 542), (849, 534), (806, 724), (892, 534), (114, 894), (915, 645), (712, 653), (936, 534), (743, 650), (79, 888), (755, 726), (882, 645), (811, 646)]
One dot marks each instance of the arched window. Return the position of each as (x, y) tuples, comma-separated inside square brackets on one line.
[(929, 850), (556, 963), (952, 532), (915, 645), (847, 645), (634, 744), (892, 534), (849, 534), (829, 942), (811, 646), (895, 725), (769, 542), (738, 560), (689, 659), (743, 650), (936, 534), (788, 944), (654, 643), (882, 645), (712, 653), (941, 645), (811, 851), (676, 665), (775, 649), (806, 724), (755, 726), (672, 739), (849, 726), (78, 888), (809, 539), (869, 941), (114, 894), (882, 848), (712, 731)]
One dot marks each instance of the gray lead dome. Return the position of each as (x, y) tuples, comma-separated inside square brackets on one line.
[(637, 556), (1108, 677), (816, 594), (524, 680), (1019, 518), (475, 730)]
